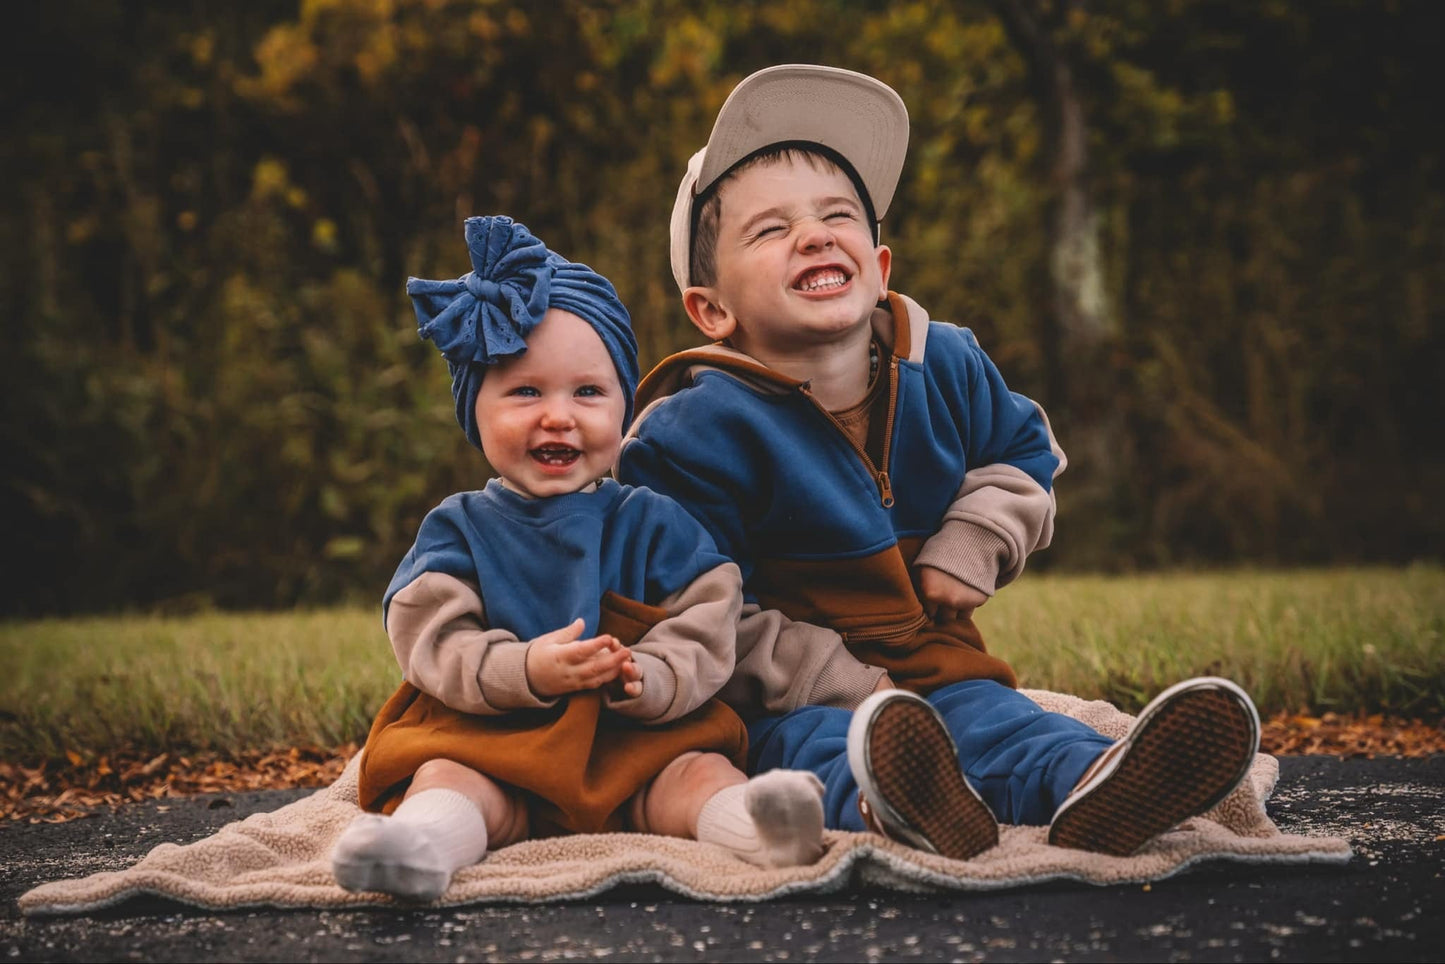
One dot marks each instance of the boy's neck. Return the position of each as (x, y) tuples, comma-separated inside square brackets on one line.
[(837, 372)]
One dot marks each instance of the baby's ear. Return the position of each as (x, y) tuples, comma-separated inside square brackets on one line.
[(710, 317)]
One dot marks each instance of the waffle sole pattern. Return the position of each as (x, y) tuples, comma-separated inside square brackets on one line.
[(1184, 759), (916, 771)]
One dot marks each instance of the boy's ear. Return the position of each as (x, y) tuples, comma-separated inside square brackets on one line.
[(885, 267), (711, 318)]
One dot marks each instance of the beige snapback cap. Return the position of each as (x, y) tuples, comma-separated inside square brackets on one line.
[(859, 118)]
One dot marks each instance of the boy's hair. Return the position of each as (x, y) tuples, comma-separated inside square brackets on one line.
[(702, 261)]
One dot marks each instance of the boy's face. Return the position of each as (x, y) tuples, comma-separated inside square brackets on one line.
[(796, 265), (550, 419)]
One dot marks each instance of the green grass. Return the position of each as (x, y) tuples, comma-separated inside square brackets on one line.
[(1340, 639), (221, 681), (1322, 640)]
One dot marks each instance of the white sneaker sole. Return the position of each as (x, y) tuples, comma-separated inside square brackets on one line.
[(906, 765)]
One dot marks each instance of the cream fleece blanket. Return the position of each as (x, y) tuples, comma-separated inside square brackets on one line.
[(281, 859)]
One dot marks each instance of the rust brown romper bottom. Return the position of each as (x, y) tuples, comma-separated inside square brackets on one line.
[(578, 763)]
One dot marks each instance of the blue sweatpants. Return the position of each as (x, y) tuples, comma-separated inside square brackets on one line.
[(1022, 760)]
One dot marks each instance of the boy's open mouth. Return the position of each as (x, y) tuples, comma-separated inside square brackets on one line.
[(828, 278), (555, 456)]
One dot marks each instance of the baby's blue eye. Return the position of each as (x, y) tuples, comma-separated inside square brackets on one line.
[(525, 390), (588, 391)]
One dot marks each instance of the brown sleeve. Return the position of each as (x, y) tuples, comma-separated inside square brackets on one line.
[(999, 516), (687, 657), (437, 626), (783, 665)]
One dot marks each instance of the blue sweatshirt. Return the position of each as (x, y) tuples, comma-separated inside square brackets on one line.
[(824, 535), (542, 563)]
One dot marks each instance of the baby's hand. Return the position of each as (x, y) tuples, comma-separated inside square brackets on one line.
[(946, 598), (559, 663), (629, 680)]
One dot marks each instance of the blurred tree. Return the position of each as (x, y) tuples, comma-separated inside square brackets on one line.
[(1080, 334)]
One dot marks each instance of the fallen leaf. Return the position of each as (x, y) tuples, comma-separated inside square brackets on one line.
[(49, 791)]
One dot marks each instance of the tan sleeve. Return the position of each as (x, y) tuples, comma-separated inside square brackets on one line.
[(999, 516), (437, 629), (687, 657), (784, 664)]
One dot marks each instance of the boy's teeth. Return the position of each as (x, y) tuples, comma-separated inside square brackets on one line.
[(825, 278)]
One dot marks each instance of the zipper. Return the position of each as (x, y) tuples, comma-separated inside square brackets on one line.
[(880, 476), (885, 486), (893, 634)]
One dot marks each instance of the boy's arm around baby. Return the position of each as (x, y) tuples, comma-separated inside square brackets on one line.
[(785, 664)]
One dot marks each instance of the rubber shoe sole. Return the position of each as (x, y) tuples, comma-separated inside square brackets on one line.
[(907, 770), (1188, 749)]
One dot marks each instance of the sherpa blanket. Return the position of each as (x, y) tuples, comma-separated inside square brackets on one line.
[(281, 859)]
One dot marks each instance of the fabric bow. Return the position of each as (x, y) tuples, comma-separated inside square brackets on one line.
[(486, 315)]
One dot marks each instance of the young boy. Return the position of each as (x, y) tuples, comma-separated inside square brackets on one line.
[(876, 481), (508, 726)]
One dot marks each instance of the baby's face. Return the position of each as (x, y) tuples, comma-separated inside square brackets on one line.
[(551, 418), (796, 263)]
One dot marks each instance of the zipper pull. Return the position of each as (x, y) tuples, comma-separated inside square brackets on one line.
[(885, 490)]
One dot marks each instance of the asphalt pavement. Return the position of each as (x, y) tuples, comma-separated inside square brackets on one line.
[(1387, 904)]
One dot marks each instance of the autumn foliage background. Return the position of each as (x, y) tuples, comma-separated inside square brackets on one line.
[(1209, 235)]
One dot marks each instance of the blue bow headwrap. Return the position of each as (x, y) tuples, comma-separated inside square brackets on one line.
[(486, 315)]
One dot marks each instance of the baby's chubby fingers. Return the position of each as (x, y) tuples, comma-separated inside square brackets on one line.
[(601, 666), (631, 677), (559, 662), (597, 649)]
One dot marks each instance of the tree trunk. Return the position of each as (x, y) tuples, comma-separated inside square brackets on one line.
[(1080, 335)]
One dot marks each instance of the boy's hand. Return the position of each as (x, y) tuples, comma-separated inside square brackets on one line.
[(946, 598), (559, 662)]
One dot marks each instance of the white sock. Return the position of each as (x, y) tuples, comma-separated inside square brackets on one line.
[(414, 852), (773, 820)]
